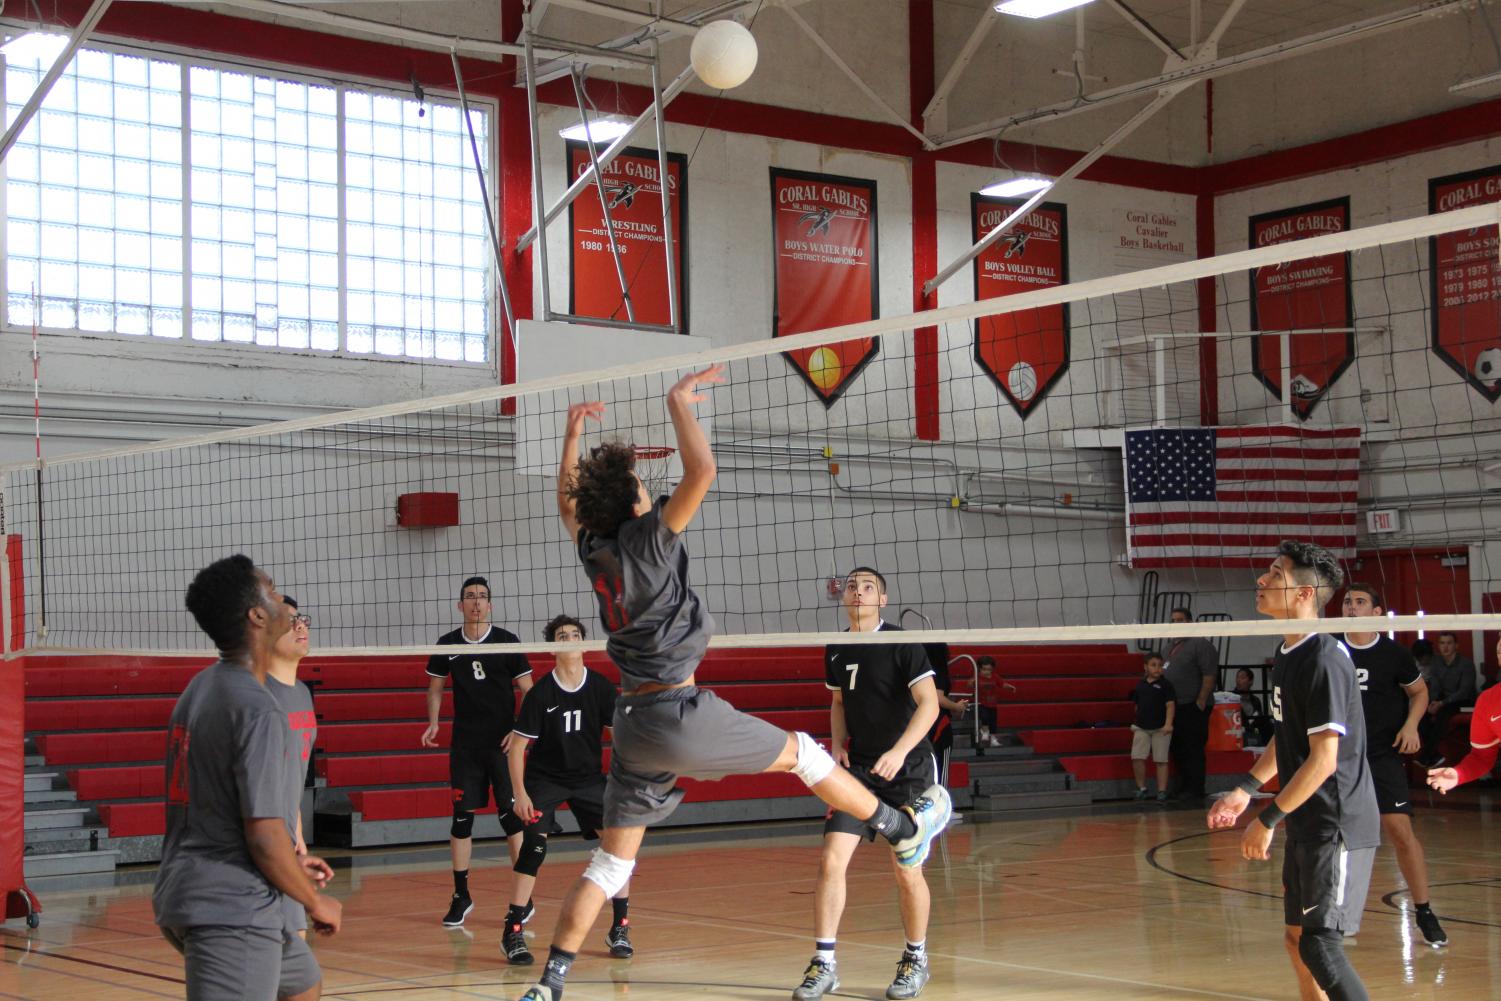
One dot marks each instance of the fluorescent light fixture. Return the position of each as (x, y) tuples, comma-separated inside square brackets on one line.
[(601, 130), (42, 47), (1037, 8), (1491, 81), (1017, 186)]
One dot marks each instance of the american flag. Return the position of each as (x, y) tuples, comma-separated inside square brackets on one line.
[(1225, 497)]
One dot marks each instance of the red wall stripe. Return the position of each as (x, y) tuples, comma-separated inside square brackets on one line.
[(924, 221)]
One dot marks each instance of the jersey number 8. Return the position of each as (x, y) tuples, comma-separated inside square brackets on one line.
[(479, 670)]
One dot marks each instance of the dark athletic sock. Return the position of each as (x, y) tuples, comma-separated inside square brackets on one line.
[(894, 825), (620, 906), (461, 882), (556, 970)]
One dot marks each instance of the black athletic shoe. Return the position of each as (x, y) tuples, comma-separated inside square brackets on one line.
[(1433, 932), (458, 910), (619, 941), (513, 944)]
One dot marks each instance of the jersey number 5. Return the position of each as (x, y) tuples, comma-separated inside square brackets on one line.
[(479, 670), (854, 670), (1277, 704)]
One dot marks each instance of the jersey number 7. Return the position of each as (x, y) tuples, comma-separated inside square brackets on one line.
[(854, 670)]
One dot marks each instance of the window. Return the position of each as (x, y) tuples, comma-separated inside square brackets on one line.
[(166, 198)]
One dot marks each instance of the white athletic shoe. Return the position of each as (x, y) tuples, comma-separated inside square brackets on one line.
[(932, 812), (537, 993)]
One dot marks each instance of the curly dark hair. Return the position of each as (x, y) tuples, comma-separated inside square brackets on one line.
[(220, 596), (1313, 564), (551, 629), (605, 489)]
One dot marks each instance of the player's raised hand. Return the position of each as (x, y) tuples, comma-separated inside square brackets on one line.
[(686, 388), (1227, 809), (1443, 779), (580, 412)]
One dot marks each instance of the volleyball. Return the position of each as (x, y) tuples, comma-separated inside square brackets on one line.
[(824, 368), (1022, 380), (723, 54)]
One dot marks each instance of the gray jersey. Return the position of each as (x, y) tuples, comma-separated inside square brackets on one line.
[(658, 628), (1188, 662), (296, 701), (229, 754)]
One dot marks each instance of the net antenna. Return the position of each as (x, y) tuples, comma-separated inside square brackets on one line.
[(654, 467)]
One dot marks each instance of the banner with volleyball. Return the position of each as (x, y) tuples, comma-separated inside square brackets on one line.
[(633, 192), (1465, 275), (825, 271), (1308, 296), (1027, 351)]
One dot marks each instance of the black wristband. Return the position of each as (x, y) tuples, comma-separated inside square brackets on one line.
[(1271, 815), (1247, 783)]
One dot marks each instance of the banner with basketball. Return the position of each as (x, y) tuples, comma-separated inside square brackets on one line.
[(1025, 352), (1307, 296), (1465, 276), (634, 195), (825, 271)]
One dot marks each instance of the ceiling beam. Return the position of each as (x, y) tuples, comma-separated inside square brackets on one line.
[(1142, 25)]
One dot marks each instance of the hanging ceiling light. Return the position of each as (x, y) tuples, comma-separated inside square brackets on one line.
[(1016, 186), (1037, 8), (600, 130)]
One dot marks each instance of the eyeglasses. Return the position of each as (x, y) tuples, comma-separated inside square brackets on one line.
[(305, 621)]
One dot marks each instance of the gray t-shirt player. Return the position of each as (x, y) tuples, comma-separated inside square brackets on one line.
[(658, 628), (296, 702), (229, 756)]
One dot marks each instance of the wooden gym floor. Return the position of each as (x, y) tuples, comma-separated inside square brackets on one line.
[(1124, 903)]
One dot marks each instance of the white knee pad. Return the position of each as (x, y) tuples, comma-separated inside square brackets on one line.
[(609, 873), (813, 763)]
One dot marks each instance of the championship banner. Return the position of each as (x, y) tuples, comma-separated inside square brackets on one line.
[(1025, 352), (1466, 283), (1311, 294), (635, 199), (825, 271)]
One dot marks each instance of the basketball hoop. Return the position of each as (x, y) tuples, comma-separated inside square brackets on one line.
[(654, 467)]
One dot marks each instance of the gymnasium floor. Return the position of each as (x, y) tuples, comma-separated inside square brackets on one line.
[(1125, 903)]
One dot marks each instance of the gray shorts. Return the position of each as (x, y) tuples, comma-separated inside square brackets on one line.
[(682, 731), (243, 964)]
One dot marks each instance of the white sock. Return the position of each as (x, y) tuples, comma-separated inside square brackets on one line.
[(824, 952), (918, 950)]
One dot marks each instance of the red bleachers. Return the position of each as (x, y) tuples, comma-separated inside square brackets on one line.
[(127, 820), (1097, 767), (1067, 689), (1013, 716), (98, 714), (1078, 740), (102, 748), (130, 782)]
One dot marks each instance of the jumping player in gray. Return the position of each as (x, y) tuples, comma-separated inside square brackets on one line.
[(665, 726)]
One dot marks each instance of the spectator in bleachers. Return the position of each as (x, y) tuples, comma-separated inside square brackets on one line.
[(296, 700), (1193, 668), (1152, 730), (1451, 687), (985, 698)]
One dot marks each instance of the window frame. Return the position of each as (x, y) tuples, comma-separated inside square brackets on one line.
[(186, 59)]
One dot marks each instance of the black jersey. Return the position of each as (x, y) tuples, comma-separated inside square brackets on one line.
[(1382, 669), (1314, 690), (877, 685), (566, 726), (484, 701), (938, 659)]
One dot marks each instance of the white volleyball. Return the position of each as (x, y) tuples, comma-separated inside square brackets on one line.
[(723, 54)]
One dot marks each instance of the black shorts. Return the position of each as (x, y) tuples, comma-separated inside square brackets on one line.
[(1324, 884), (473, 773), (1389, 775), (918, 772), (586, 799)]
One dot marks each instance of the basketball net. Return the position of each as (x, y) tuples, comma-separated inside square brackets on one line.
[(654, 467)]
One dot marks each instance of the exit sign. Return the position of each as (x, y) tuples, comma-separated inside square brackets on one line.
[(1382, 522)]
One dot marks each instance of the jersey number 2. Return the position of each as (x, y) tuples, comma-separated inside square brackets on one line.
[(573, 720)]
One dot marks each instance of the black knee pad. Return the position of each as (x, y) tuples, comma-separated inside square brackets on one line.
[(533, 851), (1323, 952), (510, 824), (463, 824)]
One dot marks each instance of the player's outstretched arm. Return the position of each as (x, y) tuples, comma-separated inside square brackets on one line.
[(699, 468), (568, 464)]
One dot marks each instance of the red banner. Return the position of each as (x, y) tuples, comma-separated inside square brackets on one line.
[(1466, 283), (635, 199), (825, 271), (1025, 352), (1310, 294)]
